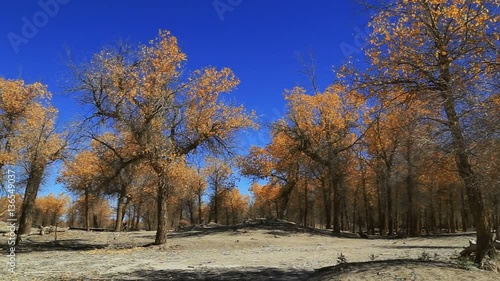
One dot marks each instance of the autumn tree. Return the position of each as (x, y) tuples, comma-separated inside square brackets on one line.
[(41, 145), (366, 189), (50, 209), (190, 197), (100, 211), (81, 175), (235, 206), (27, 134), (184, 181), (486, 153), (140, 92), (221, 181), (112, 179), (127, 182), (280, 166), (17, 99), (324, 127), (446, 53), (383, 140), (93, 173), (138, 195), (265, 200), (199, 186), (392, 140)]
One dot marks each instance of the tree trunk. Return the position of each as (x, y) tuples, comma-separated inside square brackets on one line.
[(368, 210), (44, 218), (282, 201), (216, 204), (381, 207), (280, 215), (390, 218), (464, 211), (130, 216), (191, 211), (95, 221), (149, 221), (431, 222), (162, 213), (473, 247), (137, 216), (200, 221), (335, 180), (497, 231), (426, 221), (120, 210), (410, 188), (210, 213), (306, 206), (440, 212), (54, 218), (354, 210), (396, 212), (180, 210), (87, 209), (473, 190), (452, 213), (33, 184), (346, 213), (418, 222), (327, 205), (497, 223)]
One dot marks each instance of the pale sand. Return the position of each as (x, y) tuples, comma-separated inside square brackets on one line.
[(251, 253)]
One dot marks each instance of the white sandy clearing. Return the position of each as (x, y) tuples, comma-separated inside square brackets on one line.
[(236, 254)]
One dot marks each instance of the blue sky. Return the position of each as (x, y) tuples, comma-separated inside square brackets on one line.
[(257, 39)]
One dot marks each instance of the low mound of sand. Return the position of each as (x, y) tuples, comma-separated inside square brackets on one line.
[(280, 226)]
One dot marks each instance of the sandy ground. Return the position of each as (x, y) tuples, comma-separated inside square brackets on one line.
[(245, 253)]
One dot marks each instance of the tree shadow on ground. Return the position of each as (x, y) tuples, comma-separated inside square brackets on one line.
[(284, 228), (243, 274), (423, 236), (442, 235), (203, 231), (275, 227), (60, 245), (419, 247), (335, 272), (69, 245)]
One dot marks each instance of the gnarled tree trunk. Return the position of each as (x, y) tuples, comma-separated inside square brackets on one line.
[(162, 213), (35, 177), (120, 210), (473, 190)]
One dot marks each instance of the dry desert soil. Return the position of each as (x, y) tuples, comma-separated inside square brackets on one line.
[(254, 251)]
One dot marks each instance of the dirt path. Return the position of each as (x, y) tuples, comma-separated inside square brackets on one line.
[(231, 254)]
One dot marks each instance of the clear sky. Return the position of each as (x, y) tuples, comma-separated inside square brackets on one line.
[(257, 39)]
